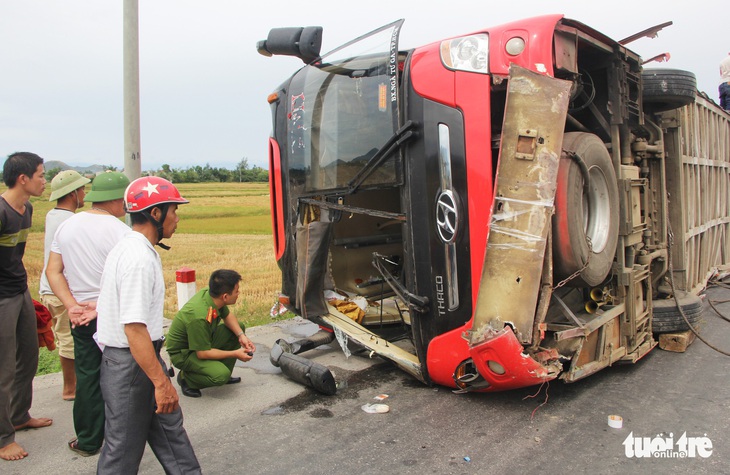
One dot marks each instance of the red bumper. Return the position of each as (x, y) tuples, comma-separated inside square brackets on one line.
[(446, 352), (506, 352)]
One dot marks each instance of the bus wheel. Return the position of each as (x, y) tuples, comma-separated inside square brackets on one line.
[(667, 318), (667, 89), (585, 224)]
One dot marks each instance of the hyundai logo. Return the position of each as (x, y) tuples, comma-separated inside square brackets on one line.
[(447, 216)]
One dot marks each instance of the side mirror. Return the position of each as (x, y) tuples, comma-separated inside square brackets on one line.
[(304, 43)]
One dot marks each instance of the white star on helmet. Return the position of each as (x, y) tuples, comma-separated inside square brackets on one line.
[(151, 189)]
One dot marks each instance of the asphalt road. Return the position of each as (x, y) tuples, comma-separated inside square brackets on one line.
[(270, 425)]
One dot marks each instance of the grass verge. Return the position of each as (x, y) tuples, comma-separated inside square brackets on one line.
[(48, 361)]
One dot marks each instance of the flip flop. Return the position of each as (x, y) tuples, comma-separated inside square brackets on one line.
[(73, 444)]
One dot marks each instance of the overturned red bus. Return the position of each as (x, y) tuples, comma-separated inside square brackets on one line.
[(489, 211)]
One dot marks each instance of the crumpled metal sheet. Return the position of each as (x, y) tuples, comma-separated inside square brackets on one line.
[(531, 144)]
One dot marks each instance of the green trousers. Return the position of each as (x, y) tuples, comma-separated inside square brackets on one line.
[(88, 405), (199, 374)]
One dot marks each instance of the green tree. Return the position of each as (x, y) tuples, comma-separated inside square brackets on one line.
[(192, 175), (259, 174), (209, 174), (241, 168), (221, 174), (50, 174), (165, 172)]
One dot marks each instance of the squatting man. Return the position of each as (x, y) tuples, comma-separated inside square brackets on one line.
[(205, 339)]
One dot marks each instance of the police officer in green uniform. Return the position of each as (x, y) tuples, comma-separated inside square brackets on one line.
[(205, 339)]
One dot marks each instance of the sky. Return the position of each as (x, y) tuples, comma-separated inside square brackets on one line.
[(203, 86)]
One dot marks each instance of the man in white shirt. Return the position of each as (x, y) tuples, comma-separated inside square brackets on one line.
[(75, 264), (67, 190), (141, 406)]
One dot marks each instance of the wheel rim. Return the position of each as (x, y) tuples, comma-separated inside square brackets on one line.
[(597, 210)]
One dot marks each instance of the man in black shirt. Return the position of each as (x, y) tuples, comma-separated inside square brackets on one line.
[(23, 174)]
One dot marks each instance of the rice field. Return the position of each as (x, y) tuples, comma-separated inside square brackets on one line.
[(225, 225)]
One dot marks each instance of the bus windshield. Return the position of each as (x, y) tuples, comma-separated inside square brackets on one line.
[(341, 111)]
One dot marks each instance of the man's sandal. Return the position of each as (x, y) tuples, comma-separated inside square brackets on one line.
[(73, 444)]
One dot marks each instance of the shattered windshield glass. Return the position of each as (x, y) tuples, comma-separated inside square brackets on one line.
[(341, 110)]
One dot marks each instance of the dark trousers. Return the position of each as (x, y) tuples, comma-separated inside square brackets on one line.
[(199, 374), (725, 96), (88, 405), (18, 363), (129, 396)]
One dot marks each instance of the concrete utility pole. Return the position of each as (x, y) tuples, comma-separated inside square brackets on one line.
[(132, 147)]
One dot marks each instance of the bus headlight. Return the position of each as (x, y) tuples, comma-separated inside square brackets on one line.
[(467, 378), (468, 53)]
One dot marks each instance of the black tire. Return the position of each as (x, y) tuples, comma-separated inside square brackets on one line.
[(579, 215), (668, 319), (667, 89)]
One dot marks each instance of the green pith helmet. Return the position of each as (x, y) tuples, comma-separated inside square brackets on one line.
[(66, 182), (107, 186)]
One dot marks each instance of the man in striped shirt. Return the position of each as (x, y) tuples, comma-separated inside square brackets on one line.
[(24, 176)]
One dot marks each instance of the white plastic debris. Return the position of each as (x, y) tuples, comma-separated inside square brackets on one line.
[(375, 408), (361, 302), (615, 422), (278, 309), (332, 295), (342, 340)]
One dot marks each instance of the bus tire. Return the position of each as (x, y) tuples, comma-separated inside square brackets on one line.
[(667, 317), (580, 215), (668, 89)]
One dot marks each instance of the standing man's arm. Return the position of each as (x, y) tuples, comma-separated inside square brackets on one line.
[(78, 314), (57, 281), (140, 345), (232, 324)]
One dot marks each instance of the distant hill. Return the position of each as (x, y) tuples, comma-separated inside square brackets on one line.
[(51, 164)]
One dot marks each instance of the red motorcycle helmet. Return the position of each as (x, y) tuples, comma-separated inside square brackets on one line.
[(149, 191)]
